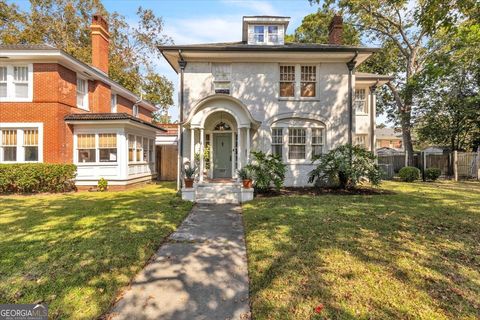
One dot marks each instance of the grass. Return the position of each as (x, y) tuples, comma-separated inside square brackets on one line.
[(76, 251), (414, 254)]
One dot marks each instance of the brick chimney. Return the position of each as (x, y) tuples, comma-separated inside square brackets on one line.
[(100, 42), (335, 30)]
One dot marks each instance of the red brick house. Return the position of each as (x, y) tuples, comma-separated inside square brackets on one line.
[(57, 109)]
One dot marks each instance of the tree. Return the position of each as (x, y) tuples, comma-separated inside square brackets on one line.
[(405, 26), (66, 25), (314, 29)]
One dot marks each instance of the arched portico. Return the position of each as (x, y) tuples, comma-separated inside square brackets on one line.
[(221, 125)]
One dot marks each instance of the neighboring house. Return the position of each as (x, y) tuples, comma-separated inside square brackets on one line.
[(57, 109), (390, 138), (265, 94)]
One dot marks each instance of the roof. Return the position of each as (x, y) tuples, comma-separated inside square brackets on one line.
[(108, 117), (288, 46), (42, 48), (388, 133)]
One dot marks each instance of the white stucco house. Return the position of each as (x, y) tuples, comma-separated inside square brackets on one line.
[(262, 93)]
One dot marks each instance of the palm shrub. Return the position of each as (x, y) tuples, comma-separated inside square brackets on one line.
[(409, 174), (336, 168), (266, 170)]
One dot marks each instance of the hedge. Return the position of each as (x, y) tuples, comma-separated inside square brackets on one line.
[(409, 174), (37, 177)]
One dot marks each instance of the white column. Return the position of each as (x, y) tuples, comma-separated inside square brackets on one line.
[(248, 145), (192, 147), (240, 149), (202, 147)]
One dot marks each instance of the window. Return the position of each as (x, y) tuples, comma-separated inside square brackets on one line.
[(296, 143), (82, 93), (107, 145), (272, 34), (145, 150), (135, 110), (259, 33), (222, 74), (151, 149), (131, 148), (360, 103), (287, 81), (361, 140), (308, 81), (30, 144), (9, 144), (113, 103), (138, 148), (20, 81), (317, 142), (277, 141), (3, 82), (16, 82), (86, 148)]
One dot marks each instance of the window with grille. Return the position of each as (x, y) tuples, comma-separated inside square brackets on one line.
[(9, 144), (30, 144), (145, 150), (277, 141), (131, 148), (139, 149), (317, 142), (296, 143), (20, 81), (287, 81), (272, 34), (151, 149), (82, 93), (259, 34), (360, 102), (3, 82), (308, 82), (107, 145), (86, 148)]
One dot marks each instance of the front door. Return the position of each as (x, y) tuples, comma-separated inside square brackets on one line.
[(222, 155)]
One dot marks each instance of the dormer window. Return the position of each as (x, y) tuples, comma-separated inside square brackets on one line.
[(272, 34), (265, 34), (259, 34), (264, 30)]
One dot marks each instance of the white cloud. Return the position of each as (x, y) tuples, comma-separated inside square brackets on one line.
[(256, 7)]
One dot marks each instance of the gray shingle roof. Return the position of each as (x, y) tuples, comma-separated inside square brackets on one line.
[(108, 117)]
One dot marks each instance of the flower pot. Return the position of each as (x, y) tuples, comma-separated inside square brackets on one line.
[(188, 183), (247, 183)]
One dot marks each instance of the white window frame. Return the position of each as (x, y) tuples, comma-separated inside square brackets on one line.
[(20, 126), (363, 101), (113, 103), (277, 143), (11, 83), (96, 132), (320, 144), (85, 105), (298, 81), (266, 34), (290, 130)]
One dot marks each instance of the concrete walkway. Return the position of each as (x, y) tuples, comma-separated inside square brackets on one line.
[(200, 273)]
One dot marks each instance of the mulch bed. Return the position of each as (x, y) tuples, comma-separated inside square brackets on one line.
[(311, 191)]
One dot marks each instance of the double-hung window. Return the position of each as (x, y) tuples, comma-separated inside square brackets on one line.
[(259, 34), (139, 149), (296, 143), (151, 148), (308, 81), (9, 145), (82, 93), (16, 83), (30, 144), (277, 141), (131, 148), (86, 147), (287, 81), (317, 142), (360, 101), (107, 145), (272, 34), (145, 150)]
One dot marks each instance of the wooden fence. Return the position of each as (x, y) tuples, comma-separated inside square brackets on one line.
[(453, 165)]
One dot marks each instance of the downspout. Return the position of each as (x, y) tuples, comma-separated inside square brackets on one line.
[(372, 116), (182, 63), (351, 67)]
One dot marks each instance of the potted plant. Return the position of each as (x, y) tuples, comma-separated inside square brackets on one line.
[(246, 176), (189, 172)]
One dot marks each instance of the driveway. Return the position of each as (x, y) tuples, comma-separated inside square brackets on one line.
[(200, 273)]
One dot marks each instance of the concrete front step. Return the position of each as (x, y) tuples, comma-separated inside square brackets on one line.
[(217, 193)]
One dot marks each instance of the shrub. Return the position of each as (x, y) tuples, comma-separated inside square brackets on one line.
[(335, 168), (102, 184), (37, 177), (433, 174), (266, 170), (409, 174), (244, 173)]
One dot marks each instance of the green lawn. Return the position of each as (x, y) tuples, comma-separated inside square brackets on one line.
[(75, 251), (414, 254)]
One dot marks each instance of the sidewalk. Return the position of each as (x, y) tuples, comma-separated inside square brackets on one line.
[(200, 273)]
